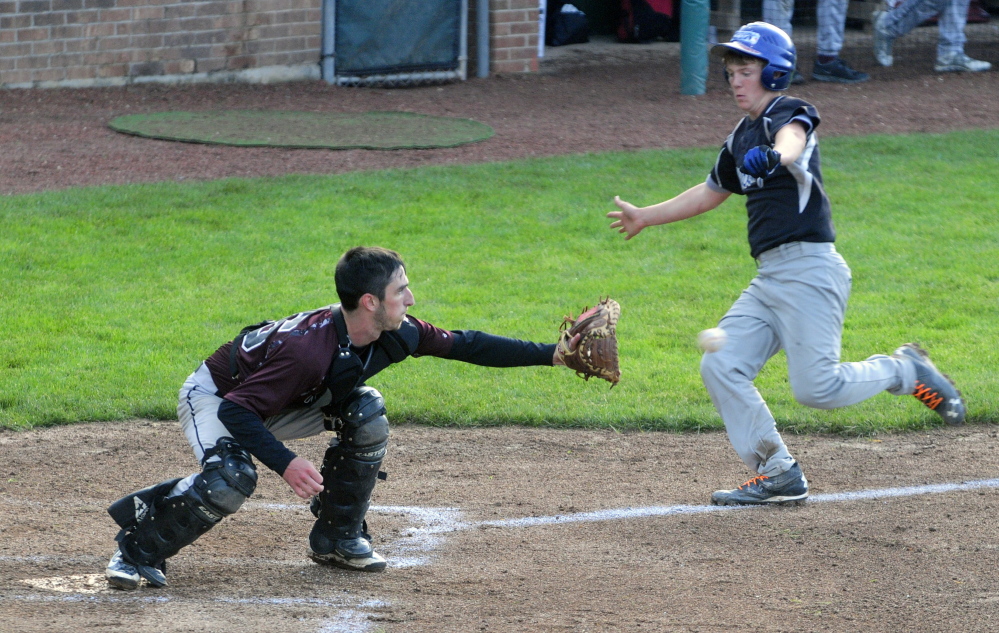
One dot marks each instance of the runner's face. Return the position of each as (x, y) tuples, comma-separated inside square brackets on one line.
[(398, 299), (747, 88)]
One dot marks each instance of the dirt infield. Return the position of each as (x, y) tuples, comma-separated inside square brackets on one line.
[(525, 530), (505, 529)]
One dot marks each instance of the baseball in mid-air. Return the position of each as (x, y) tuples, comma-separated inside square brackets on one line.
[(712, 339)]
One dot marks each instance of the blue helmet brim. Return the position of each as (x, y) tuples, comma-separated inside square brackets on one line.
[(738, 47)]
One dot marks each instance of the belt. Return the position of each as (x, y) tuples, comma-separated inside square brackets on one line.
[(791, 250)]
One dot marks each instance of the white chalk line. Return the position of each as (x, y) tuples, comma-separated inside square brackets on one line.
[(657, 511), (420, 542)]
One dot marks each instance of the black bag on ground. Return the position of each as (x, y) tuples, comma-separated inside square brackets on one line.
[(563, 28), (644, 20)]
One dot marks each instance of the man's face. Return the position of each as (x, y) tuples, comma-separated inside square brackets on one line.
[(398, 298), (747, 87)]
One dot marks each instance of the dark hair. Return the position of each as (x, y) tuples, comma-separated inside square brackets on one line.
[(365, 270), (736, 58)]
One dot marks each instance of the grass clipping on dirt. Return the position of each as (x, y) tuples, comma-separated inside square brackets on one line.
[(306, 130)]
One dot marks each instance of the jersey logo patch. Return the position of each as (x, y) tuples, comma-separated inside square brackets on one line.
[(748, 182)]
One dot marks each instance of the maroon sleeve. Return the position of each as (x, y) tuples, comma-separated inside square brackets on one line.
[(434, 341)]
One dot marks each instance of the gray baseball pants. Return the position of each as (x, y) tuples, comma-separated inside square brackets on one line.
[(797, 303), (198, 411)]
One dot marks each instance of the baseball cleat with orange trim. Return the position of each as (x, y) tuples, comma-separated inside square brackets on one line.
[(789, 487), (934, 389)]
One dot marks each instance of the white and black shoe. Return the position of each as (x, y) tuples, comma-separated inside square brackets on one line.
[(120, 574), (882, 41), (960, 63), (355, 554)]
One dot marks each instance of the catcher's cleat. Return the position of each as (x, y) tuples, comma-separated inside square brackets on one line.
[(355, 554), (789, 487), (120, 574), (933, 388)]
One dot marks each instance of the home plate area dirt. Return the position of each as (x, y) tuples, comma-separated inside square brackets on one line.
[(524, 529)]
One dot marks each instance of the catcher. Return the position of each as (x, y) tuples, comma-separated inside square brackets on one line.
[(296, 378)]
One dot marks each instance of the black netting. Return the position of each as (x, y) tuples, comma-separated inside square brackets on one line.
[(387, 37)]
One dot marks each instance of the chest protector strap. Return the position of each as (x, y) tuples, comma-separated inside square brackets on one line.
[(346, 369)]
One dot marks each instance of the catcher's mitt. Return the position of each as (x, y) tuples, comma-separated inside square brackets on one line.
[(596, 353)]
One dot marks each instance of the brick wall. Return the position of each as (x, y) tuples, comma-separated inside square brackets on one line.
[(95, 42), (513, 36), (66, 40)]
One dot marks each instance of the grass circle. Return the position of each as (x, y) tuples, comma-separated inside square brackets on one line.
[(305, 130)]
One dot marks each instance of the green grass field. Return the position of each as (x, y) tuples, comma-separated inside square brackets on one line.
[(112, 295)]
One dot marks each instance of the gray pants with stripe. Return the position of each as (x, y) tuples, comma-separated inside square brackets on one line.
[(797, 303), (198, 407)]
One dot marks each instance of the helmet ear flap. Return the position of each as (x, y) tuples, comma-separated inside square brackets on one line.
[(774, 79)]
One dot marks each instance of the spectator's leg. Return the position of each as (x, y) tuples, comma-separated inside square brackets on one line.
[(910, 14), (831, 15), (950, 48), (953, 17), (828, 66), (779, 13)]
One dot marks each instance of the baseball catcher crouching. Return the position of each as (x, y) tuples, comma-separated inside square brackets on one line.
[(299, 377), (350, 470)]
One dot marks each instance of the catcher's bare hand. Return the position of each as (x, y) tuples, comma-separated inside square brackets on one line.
[(572, 344), (303, 478), (627, 220)]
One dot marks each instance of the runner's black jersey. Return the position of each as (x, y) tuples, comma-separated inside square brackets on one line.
[(791, 204)]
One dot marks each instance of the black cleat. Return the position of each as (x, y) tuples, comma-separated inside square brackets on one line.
[(355, 554)]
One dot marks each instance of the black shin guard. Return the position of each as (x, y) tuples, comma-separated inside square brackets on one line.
[(351, 465), (349, 481), (168, 524)]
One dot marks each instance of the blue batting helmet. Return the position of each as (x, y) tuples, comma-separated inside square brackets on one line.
[(769, 43)]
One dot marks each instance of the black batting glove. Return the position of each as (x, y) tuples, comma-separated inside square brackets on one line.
[(761, 161)]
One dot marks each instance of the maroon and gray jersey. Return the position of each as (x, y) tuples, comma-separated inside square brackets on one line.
[(284, 365)]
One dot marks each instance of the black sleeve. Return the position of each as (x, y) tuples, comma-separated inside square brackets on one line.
[(249, 431), (789, 109), (724, 176), (489, 350)]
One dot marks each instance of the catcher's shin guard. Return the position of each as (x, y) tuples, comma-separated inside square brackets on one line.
[(350, 467), (168, 524)]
